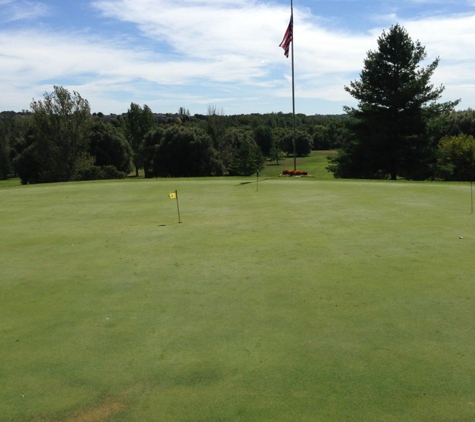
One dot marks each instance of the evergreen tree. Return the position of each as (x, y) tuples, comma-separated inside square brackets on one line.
[(395, 101)]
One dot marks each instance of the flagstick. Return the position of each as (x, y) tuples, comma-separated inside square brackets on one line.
[(177, 206), (293, 84), (471, 194)]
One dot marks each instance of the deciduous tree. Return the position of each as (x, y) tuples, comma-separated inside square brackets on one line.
[(109, 147), (264, 138), (58, 140), (180, 151), (457, 157), (138, 122), (246, 156), (303, 144)]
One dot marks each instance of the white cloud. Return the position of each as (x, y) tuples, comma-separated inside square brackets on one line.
[(204, 29), (198, 52), (452, 39), (22, 10)]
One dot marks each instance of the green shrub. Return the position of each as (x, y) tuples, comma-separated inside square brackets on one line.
[(100, 173)]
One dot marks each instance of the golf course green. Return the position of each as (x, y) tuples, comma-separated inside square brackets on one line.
[(278, 299)]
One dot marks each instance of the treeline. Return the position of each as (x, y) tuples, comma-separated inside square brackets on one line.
[(60, 140)]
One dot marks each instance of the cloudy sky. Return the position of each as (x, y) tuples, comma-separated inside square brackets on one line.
[(220, 53)]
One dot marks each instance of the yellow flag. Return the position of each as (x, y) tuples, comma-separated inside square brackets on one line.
[(172, 195)]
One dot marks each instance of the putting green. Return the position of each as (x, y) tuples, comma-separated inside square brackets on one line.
[(291, 300)]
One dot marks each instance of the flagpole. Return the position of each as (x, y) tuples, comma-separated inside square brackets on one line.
[(285, 44), (177, 206), (293, 83)]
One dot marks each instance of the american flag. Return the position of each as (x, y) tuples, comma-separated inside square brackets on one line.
[(288, 36)]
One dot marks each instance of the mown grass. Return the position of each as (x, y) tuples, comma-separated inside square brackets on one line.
[(315, 164), (302, 300)]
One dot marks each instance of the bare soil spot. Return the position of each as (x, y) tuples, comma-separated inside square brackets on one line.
[(99, 413)]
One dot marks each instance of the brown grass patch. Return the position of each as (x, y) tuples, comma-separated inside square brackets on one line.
[(99, 413)]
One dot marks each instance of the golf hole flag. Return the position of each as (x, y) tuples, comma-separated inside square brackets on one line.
[(174, 195)]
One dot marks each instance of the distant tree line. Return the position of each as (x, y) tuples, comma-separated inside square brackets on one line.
[(398, 130), (50, 144), (59, 139)]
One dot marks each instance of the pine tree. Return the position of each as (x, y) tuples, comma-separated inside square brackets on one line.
[(395, 101)]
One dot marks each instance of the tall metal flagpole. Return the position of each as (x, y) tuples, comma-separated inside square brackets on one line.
[(285, 44), (293, 83)]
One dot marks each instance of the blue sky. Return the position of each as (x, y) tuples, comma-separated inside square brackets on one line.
[(223, 54)]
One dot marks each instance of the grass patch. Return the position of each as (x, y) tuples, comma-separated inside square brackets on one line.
[(315, 164), (305, 300)]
